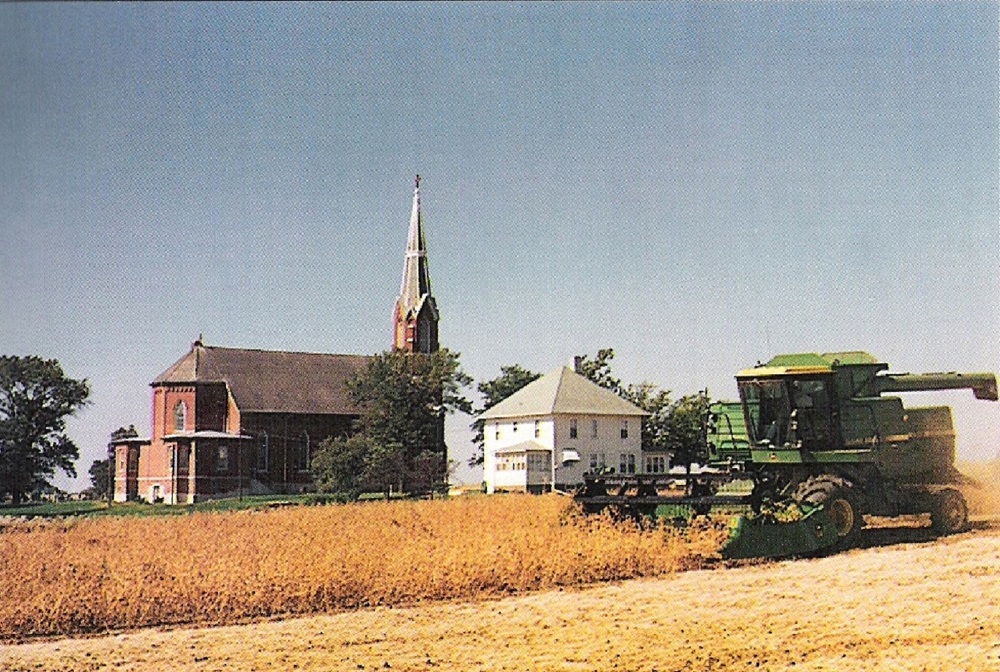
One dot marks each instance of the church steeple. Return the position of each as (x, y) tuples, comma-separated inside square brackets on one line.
[(416, 314)]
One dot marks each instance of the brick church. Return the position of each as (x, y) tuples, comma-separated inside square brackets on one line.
[(234, 420)]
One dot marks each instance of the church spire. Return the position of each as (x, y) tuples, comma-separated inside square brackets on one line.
[(416, 315)]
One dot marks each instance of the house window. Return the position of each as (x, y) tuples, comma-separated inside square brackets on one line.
[(514, 427), (222, 463), (597, 462), (538, 429), (572, 428), (180, 416), (654, 464), (496, 431), (624, 429), (262, 450), (626, 463), (303, 455), (593, 428)]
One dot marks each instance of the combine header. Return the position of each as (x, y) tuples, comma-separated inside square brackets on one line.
[(811, 447)]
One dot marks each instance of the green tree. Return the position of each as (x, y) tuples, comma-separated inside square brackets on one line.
[(35, 400), (404, 398), (387, 467), (656, 402), (100, 479), (348, 466), (673, 426), (598, 370), (427, 472), (511, 379), (685, 428), (338, 465)]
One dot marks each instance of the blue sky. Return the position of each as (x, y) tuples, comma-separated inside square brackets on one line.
[(698, 186)]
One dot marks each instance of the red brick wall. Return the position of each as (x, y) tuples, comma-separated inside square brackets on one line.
[(165, 400), (126, 471)]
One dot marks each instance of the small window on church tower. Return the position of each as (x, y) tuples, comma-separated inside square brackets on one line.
[(180, 416)]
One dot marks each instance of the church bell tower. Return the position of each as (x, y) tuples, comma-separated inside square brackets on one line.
[(416, 313)]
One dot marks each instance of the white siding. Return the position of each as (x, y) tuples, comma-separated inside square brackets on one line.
[(510, 436), (554, 435), (608, 443)]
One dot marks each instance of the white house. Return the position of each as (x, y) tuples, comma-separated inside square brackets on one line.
[(552, 431)]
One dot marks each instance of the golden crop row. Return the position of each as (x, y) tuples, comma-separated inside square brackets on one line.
[(108, 574)]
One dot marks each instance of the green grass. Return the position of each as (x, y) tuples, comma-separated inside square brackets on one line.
[(92, 509), (52, 509)]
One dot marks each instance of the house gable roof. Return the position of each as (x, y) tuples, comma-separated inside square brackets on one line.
[(562, 392), (271, 381)]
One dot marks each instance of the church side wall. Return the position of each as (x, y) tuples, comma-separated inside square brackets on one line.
[(282, 445), (126, 472)]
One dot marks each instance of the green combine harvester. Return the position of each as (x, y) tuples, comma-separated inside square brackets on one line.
[(815, 445)]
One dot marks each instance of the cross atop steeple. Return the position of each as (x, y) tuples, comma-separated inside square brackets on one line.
[(416, 315)]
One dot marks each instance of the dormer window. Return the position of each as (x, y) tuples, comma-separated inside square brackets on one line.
[(180, 416)]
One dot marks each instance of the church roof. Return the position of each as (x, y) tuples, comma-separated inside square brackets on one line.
[(562, 392), (270, 380)]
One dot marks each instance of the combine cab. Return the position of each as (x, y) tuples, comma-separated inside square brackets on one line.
[(817, 443)]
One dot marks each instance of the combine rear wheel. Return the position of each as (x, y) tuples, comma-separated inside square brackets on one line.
[(841, 504), (949, 513)]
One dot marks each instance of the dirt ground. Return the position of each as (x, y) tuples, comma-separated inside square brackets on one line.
[(906, 602)]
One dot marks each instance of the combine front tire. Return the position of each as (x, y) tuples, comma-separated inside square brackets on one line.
[(949, 512), (840, 503)]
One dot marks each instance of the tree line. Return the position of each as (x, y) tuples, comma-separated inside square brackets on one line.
[(398, 440)]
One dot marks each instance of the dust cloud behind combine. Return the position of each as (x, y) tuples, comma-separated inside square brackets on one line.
[(983, 497)]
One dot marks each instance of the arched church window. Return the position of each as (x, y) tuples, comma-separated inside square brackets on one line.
[(180, 416), (262, 449), (303, 456)]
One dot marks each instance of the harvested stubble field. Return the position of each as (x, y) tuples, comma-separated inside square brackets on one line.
[(97, 575)]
